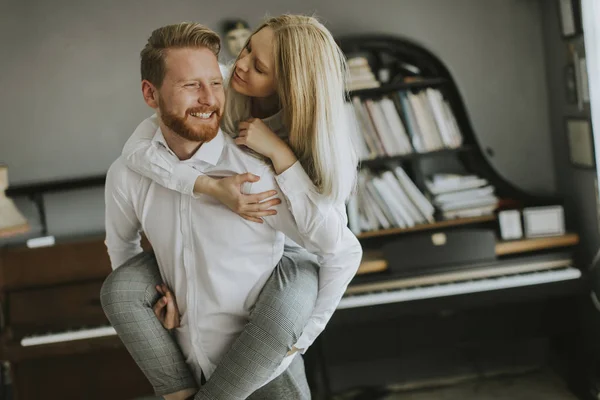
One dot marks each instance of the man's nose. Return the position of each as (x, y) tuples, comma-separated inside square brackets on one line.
[(206, 96)]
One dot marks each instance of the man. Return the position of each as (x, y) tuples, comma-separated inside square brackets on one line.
[(215, 262)]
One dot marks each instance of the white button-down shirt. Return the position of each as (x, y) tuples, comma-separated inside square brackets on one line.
[(215, 261)]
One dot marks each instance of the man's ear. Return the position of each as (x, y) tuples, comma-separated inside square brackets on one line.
[(150, 94)]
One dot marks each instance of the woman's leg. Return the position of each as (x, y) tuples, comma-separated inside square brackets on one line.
[(290, 385), (281, 312), (127, 297)]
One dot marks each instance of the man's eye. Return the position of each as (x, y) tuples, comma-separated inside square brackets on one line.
[(191, 84)]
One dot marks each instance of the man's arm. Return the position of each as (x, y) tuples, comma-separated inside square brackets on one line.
[(123, 239), (338, 264)]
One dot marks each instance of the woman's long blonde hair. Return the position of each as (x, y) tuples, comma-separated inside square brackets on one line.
[(310, 74)]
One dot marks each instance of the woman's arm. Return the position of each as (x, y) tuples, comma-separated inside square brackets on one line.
[(338, 263), (152, 159), (319, 221)]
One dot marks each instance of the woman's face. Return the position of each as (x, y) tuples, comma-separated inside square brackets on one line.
[(254, 73)]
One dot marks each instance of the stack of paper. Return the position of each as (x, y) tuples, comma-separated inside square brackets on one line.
[(462, 196)]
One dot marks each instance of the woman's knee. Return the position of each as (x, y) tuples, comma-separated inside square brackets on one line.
[(288, 299), (134, 281)]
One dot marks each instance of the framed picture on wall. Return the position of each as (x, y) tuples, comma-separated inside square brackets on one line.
[(570, 84), (581, 142), (570, 17)]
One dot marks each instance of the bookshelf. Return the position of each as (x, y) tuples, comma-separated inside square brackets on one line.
[(425, 227), (418, 102), (407, 119), (383, 161), (385, 89)]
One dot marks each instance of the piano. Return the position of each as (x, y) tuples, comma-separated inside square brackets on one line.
[(52, 324), (54, 335), (490, 277), (444, 318)]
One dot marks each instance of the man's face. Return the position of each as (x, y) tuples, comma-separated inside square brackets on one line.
[(191, 98)]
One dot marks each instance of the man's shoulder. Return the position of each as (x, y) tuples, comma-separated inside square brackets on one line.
[(242, 156), (246, 162), (120, 176)]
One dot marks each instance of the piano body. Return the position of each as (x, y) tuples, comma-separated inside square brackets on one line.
[(55, 337), (480, 306)]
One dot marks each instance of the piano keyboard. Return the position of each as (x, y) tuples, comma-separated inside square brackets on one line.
[(404, 291), (61, 337), (495, 277)]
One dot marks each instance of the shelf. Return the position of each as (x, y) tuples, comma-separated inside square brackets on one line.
[(425, 227), (382, 161), (372, 262), (525, 245), (422, 84)]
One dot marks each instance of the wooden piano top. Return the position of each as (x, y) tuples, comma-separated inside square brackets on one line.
[(76, 260)]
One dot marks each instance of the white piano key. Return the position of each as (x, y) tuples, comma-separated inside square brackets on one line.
[(452, 289), (68, 336)]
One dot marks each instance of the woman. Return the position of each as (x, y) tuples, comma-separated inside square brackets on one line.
[(292, 75)]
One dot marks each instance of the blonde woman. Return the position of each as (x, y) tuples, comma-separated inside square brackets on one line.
[(285, 104)]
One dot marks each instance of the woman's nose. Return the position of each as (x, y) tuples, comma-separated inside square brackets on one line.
[(242, 64)]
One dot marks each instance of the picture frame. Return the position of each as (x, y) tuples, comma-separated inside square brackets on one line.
[(571, 91), (570, 18), (580, 142)]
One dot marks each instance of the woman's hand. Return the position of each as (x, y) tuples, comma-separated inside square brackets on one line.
[(257, 136), (166, 309), (249, 206)]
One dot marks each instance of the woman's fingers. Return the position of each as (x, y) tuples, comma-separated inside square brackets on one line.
[(258, 197), (263, 206), (256, 214), (252, 219)]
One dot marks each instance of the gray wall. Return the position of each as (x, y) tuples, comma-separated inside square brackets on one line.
[(577, 185), (73, 81)]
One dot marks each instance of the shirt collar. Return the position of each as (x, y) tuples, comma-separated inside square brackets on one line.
[(209, 152)]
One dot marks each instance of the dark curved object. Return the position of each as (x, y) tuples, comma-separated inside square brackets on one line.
[(399, 54)]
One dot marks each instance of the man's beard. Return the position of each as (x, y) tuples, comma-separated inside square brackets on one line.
[(180, 126)]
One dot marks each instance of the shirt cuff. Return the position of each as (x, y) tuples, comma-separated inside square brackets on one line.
[(294, 180), (185, 177)]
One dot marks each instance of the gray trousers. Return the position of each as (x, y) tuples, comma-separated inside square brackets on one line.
[(275, 324)]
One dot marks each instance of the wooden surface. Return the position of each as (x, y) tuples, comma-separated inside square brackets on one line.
[(425, 227), (107, 374), (526, 245), (66, 262), (374, 261), (56, 307)]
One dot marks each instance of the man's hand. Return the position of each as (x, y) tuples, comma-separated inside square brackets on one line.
[(292, 351), (166, 309)]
